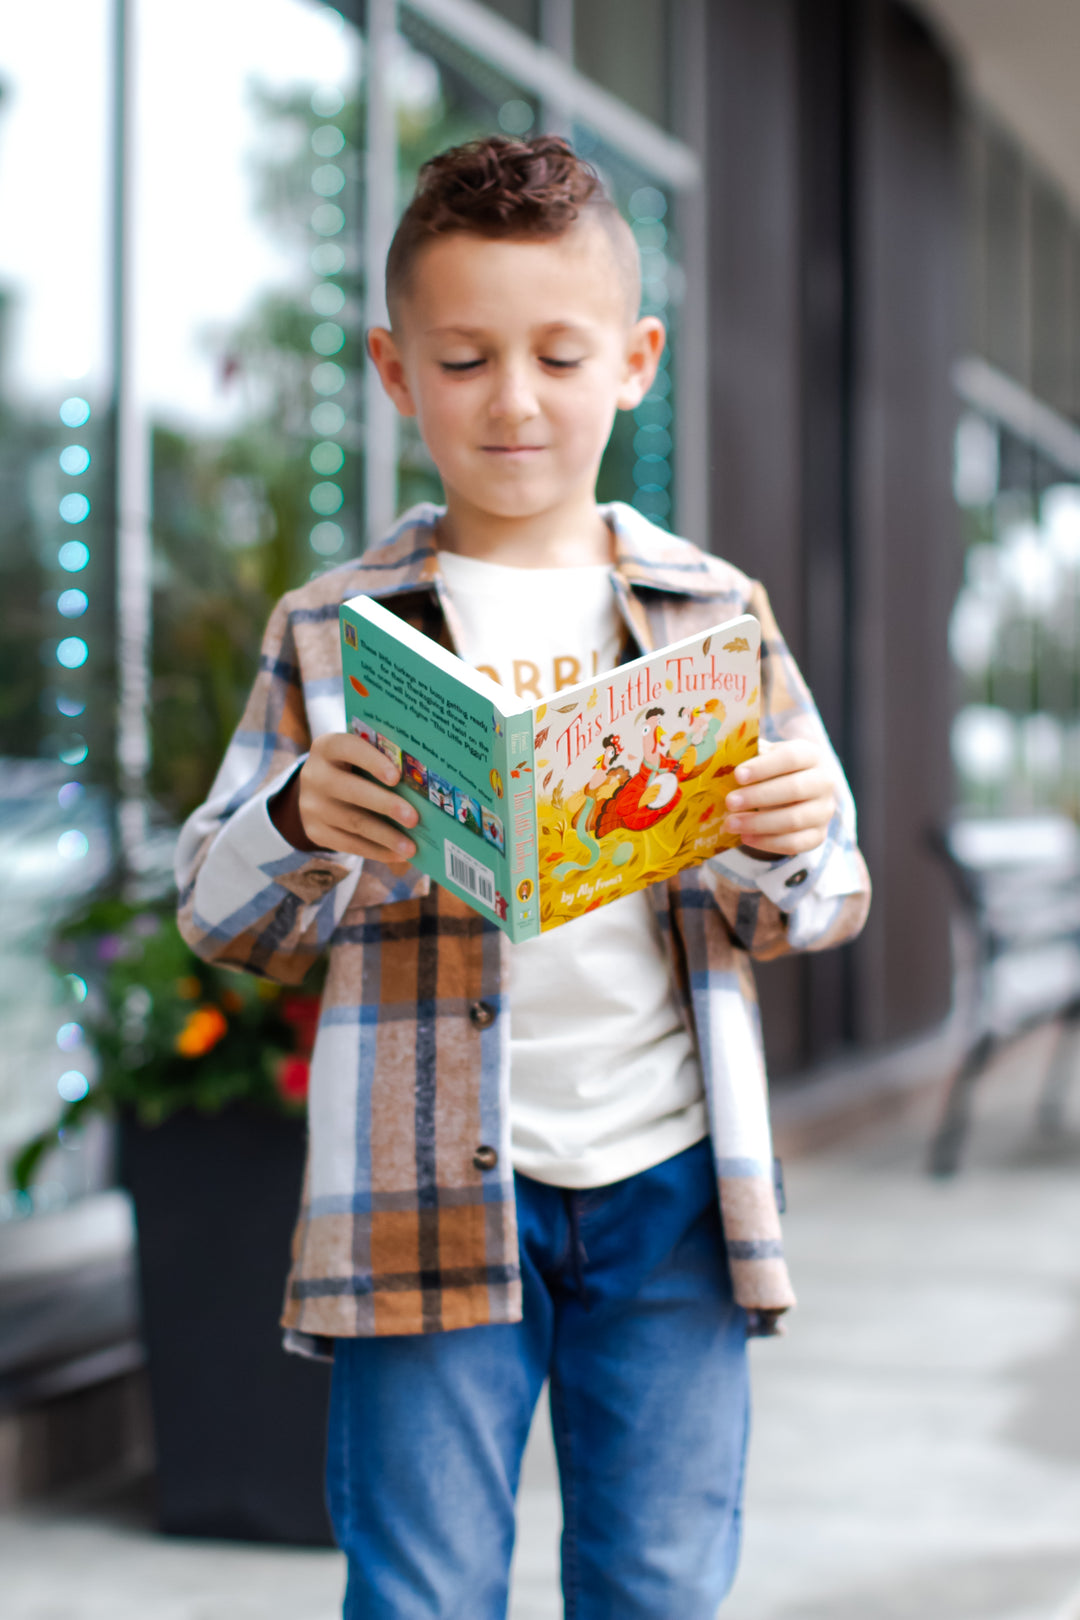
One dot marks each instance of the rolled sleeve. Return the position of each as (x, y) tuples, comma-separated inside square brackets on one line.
[(793, 902), (248, 899), (249, 852)]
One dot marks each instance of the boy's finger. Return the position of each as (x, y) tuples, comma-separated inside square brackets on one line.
[(789, 789), (366, 835), (359, 793), (386, 838), (789, 818), (346, 749), (778, 760)]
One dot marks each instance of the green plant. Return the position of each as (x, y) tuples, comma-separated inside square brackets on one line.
[(168, 1030)]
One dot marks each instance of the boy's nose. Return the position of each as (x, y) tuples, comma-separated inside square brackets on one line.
[(514, 399)]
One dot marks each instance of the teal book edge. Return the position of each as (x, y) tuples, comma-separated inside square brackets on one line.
[(466, 763)]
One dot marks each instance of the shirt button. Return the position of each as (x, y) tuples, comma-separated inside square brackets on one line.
[(482, 1015), (485, 1158), (795, 879)]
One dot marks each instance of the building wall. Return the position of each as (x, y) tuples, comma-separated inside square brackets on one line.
[(907, 546), (834, 266)]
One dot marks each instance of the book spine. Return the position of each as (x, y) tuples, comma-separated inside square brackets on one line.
[(522, 859)]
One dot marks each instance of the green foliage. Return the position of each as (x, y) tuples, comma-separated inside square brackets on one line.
[(232, 512), (170, 1031), (229, 523)]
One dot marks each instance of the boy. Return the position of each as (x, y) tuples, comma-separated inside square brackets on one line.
[(515, 1152)]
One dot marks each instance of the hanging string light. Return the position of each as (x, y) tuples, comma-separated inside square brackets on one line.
[(73, 602), (327, 458)]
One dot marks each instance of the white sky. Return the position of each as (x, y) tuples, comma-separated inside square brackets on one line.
[(201, 257)]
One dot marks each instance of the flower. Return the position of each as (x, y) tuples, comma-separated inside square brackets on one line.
[(202, 1030), (302, 1013), (291, 1078), (170, 1032)]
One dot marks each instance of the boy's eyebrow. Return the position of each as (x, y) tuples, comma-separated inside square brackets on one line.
[(549, 329)]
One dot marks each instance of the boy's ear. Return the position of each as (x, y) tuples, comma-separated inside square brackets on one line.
[(643, 350), (387, 362)]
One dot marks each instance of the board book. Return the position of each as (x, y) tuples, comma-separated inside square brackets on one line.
[(537, 812)]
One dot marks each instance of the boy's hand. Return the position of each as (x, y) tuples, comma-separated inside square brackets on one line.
[(328, 805), (784, 800)]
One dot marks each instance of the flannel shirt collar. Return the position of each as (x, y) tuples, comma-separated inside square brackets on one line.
[(646, 556)]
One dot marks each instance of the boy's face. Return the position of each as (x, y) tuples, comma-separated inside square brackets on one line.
[(514, 356)]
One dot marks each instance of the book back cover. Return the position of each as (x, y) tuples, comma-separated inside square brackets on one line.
[(461, 760)]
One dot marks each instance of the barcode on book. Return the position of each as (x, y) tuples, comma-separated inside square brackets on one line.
[(471, 875)]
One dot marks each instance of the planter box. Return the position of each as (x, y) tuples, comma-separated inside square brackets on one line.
[(240, 1426)]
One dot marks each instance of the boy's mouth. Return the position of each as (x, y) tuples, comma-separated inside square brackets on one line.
[(512, 449)]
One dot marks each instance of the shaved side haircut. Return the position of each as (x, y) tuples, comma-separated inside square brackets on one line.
[(508, 190)]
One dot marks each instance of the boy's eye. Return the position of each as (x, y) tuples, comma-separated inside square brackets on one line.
[(559, 365), (460, 365)]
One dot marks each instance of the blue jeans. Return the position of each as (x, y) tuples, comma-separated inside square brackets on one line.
[(628, 1310)]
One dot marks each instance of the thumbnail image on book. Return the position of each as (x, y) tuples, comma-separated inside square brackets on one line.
[(535, 813)]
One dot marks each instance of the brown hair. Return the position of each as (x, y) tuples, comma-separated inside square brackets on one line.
[(502, 188)]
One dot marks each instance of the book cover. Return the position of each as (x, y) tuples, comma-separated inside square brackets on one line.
[(632, 770), (537, 813)]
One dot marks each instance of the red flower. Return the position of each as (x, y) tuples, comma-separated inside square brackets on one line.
[(302, 1013), (292, 1078)]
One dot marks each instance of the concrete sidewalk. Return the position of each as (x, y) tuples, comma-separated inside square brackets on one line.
[(916, 1453)]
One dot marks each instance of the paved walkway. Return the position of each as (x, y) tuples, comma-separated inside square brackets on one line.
[(916, 1453), (917, 1444)]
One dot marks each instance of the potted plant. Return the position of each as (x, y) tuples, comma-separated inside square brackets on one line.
[(205, 1071)]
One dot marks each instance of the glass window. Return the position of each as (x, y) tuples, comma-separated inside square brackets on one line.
[(639, 464), (56, 679), (1049, 295), (524, 14), (1015, 628), (1072, 334), (242, 418), (1006, 307), (973, 159), (473, 98), (624, 45), (246, 345)]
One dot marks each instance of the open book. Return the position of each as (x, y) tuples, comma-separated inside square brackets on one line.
[(537, 812)]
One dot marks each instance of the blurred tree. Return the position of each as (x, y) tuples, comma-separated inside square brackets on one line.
[(232, 512)]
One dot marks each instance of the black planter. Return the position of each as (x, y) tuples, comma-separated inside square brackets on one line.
[(240, 1426)]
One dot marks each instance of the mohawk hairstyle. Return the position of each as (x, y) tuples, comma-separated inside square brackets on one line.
[(501, 188)]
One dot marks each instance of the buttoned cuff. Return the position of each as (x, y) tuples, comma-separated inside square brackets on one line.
[(824, 873), (745, 866), (794, 877)]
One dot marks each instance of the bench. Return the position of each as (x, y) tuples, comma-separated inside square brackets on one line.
[(1016, 886)]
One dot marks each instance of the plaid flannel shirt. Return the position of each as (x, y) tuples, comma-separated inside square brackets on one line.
[(408, 1222)]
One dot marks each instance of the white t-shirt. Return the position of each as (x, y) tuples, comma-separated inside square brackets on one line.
[(604, 1080)]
